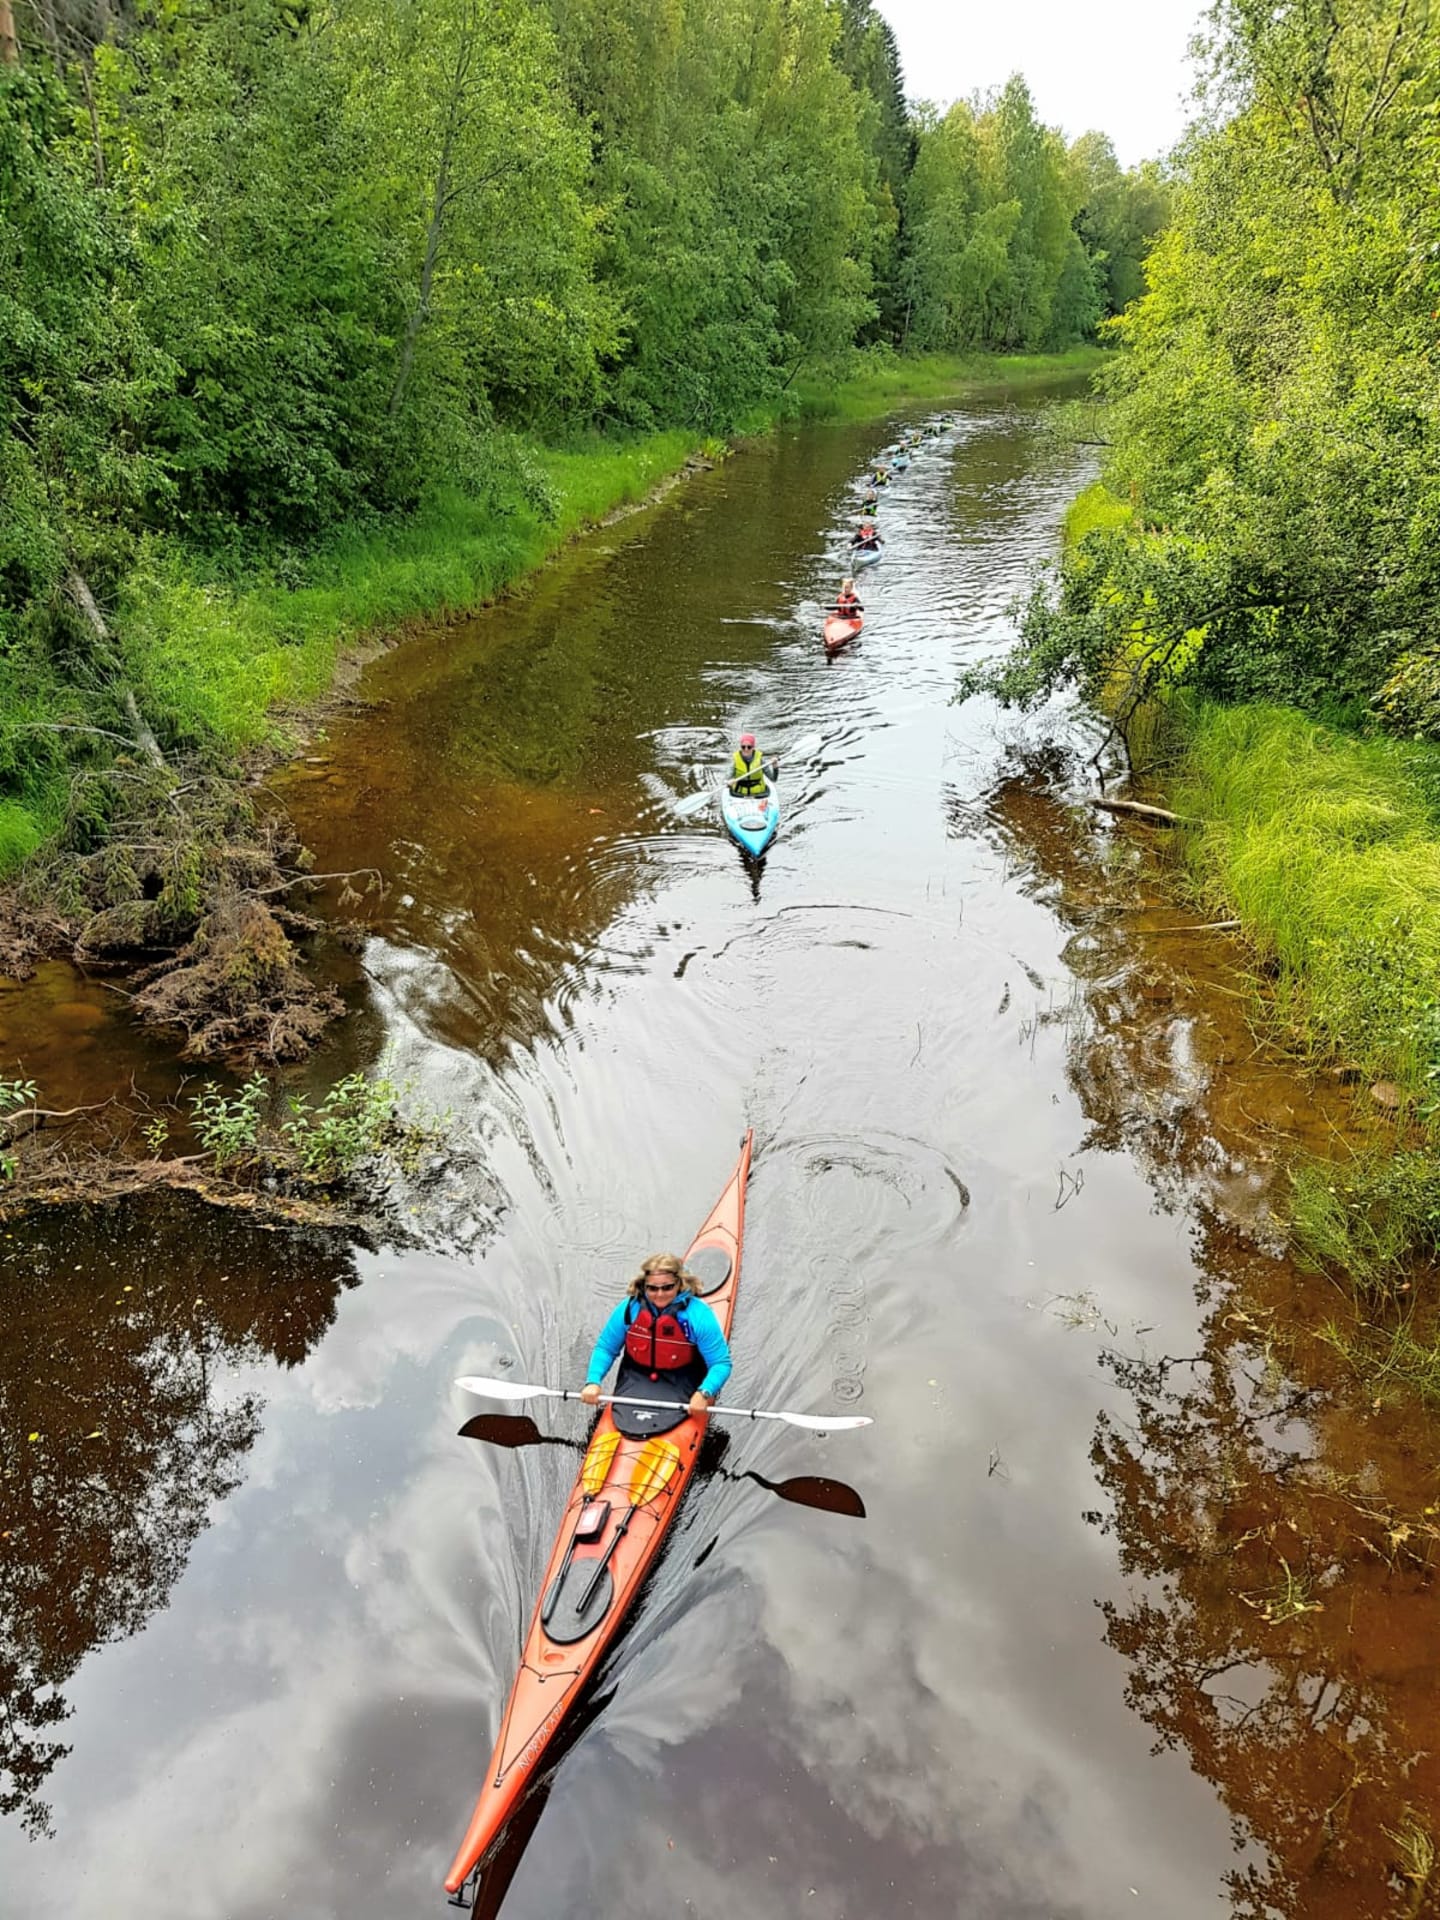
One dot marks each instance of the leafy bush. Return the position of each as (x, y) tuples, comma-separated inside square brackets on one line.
[(357, 1120), (354, 1121), (228, 1125), (14, 1094)]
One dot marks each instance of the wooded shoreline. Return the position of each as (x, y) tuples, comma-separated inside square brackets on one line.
[(194, 893)]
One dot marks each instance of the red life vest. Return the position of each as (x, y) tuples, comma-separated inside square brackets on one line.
[(658, 1341)]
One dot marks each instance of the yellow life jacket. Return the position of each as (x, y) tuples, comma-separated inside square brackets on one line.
[(749, 775)]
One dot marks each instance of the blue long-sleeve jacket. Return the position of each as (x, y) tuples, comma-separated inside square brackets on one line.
[(700, 1325)]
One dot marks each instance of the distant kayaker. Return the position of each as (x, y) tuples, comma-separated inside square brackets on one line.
[(664, 1331), (881, 477), (866, 537), (847, 601), (747, 772)]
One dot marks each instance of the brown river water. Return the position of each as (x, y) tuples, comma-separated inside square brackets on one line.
[(1135, 1624)]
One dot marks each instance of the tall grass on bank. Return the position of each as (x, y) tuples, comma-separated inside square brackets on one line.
[(215, 660), (884, 380), (1368, 1216), (1325, 845)]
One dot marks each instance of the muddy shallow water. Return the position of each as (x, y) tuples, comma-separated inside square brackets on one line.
[(992, 1206)]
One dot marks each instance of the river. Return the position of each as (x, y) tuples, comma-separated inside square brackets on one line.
[(281, 1599)]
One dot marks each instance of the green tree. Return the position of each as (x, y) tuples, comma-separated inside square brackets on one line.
[(485, 161), (1119, 216), (1275, 411), (76, 370), (993, 257), (277, 307), (868, 52), (737, 229)]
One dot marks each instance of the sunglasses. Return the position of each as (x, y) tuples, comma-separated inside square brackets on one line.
[(661, 1286)]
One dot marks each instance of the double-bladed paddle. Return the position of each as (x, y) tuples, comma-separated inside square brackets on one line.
[(816, 1490), (517, 1391)]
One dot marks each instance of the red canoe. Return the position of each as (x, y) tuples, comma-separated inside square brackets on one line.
[(839, 631), (627, 1492)]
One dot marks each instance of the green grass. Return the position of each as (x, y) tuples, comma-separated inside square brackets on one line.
[(1324, 844), (1094, 510), (1393, 1363), (886, 380), (215, 662), (22, 829), (1367, 1216)]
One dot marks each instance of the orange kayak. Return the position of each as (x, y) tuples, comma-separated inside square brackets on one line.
[(628, 1490), (838, 630)]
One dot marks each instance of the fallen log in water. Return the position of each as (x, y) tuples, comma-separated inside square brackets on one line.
[(1137, 809)]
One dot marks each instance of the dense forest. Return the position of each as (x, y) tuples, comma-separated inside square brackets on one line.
[(268, 270)]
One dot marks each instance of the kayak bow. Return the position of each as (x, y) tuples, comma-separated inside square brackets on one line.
[(752, 820), (840, 630), (627, 1492)]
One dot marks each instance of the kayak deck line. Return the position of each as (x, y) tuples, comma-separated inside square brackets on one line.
[(644, 1487)]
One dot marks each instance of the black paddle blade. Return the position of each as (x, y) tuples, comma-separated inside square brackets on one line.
[(814, 1490), (503, 1430)]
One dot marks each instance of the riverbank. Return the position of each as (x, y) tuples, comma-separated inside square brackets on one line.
[(226, 659), (885, 380), (1320, 843), (1325, 846), (1313, 851)]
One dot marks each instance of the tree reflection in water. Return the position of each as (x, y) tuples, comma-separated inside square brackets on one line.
[(1280, 1528), (1284, 1633), (121, 1432)]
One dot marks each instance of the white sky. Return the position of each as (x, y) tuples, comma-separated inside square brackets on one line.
[(1120, 66)]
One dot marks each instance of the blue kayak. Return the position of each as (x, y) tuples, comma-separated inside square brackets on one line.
[(864, 556), (752, 822), (900, 462)]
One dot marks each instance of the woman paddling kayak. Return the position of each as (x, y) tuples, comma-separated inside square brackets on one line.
[(600, 1559), (670, 1340)]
